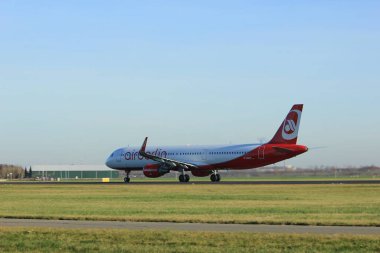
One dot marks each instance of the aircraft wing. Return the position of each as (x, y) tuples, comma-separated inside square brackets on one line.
[(170, 162)]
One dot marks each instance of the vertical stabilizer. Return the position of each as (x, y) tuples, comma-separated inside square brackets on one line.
[(288, 131)]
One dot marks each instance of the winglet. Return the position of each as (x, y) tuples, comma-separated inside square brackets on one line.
[(143, 147)]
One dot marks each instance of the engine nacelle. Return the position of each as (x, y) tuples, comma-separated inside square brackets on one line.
[(154, 171), (201, 173)]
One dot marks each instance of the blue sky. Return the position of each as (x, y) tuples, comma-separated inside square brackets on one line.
[(81, 78)]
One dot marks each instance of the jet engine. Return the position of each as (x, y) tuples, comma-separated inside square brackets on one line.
[(154, 170)]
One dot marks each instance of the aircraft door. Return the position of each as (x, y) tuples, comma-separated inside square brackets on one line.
[(261, 152), (119, 155), (204, 154)]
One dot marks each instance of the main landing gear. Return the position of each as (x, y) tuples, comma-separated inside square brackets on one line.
[(184, 178), (215, 177), (127, 179)]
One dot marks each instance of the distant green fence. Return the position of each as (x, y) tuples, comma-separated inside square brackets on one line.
[(76, 174)]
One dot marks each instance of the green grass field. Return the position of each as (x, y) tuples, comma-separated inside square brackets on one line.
[(266, 204), (98, 240)]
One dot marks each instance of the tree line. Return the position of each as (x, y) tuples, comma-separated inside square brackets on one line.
[(14, 172)]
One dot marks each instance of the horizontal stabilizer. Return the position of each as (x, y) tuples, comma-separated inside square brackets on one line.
[(283, 150)]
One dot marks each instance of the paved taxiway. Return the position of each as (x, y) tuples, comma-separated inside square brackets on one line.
[(294, 182), (292, 229)]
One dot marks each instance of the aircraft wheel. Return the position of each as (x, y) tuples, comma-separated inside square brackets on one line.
[(127, 180), (184, 178), (215, 177)]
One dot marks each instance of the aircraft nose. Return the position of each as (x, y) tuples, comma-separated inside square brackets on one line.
[(108, 162)]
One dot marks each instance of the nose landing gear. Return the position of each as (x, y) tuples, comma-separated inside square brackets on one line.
[(127, 179)]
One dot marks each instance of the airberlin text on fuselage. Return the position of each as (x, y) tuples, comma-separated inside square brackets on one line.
[(134, 155)]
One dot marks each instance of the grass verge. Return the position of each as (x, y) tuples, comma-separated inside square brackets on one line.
[(98, 240), (252, 204)]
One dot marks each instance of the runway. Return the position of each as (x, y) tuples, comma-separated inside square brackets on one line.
[(290, 229), (273, 182)]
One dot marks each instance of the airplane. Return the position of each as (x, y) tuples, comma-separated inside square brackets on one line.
[(204, 161)]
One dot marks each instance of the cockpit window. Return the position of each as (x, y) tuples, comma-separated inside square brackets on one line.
[(112, 154)]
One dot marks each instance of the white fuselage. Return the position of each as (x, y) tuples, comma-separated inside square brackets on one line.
[(129, 159)]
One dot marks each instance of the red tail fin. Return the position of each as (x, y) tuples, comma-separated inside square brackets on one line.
[(288, 131)]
